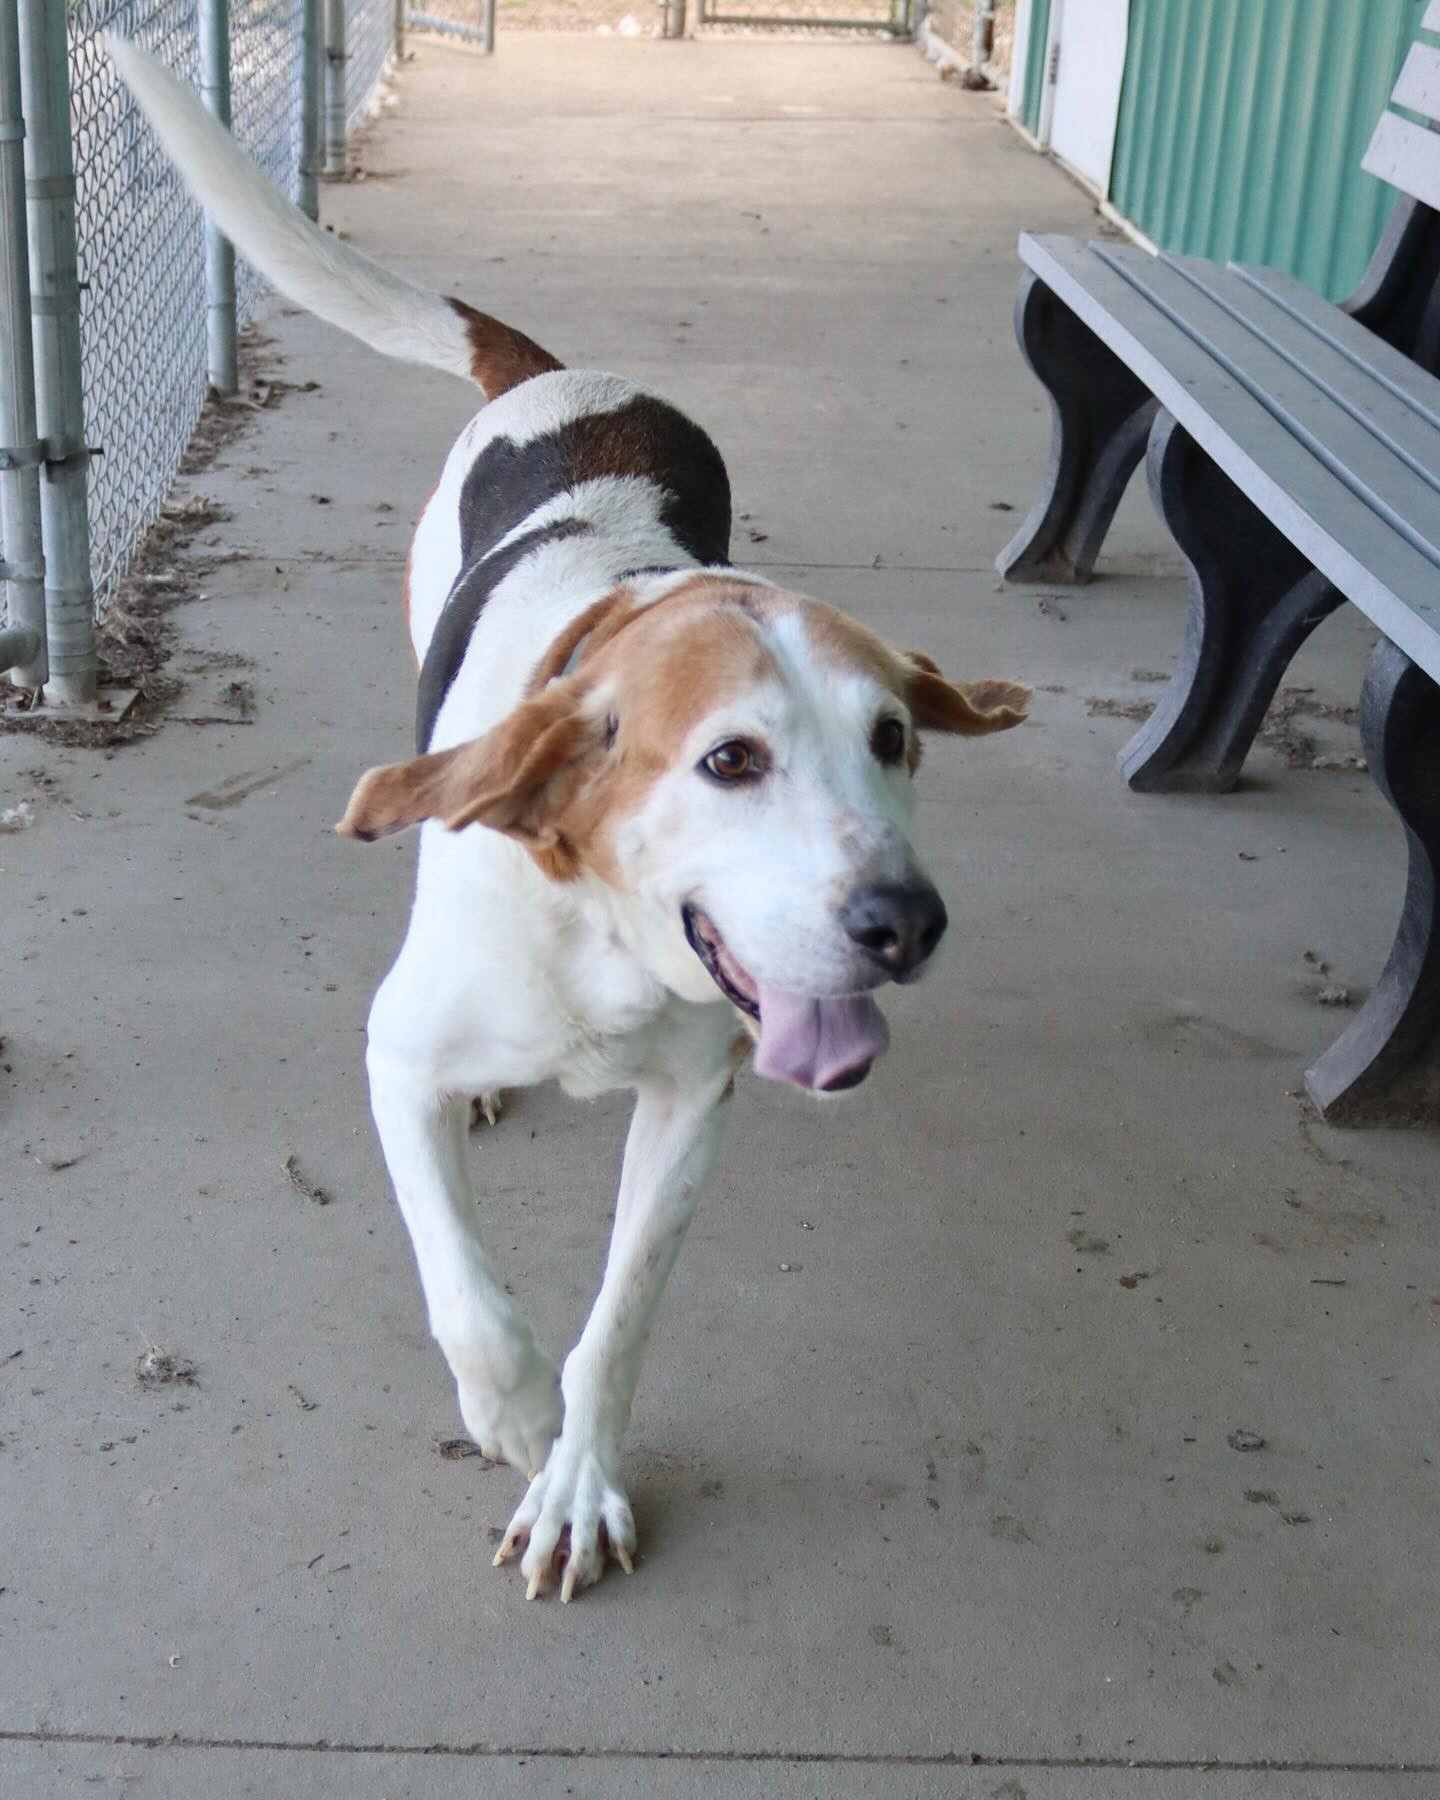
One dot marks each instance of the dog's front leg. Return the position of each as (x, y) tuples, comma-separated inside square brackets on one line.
[(509, 1395), (578, 1496)]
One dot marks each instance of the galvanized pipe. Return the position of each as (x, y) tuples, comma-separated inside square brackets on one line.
[(399, 31), (55, 310), (487, 27), (982, 44), (220, 316), (312, 88), (335, 59), (674, 18), (22, 647)]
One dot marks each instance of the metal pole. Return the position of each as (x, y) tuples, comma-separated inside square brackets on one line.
[(399, 29), (487, 27), (220, 323), (55, 310), (312, 84), (22, 646), (335, 87), (674, 15), (982, 46)]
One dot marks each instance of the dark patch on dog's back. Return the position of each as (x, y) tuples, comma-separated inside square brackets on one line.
[(467, 600), (645, 438)]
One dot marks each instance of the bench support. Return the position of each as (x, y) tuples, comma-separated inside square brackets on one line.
[(1101, 418), (1385, 1068), (1254, 599)]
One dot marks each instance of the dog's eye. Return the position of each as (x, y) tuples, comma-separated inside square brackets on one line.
[(887, 742), (735, 761)]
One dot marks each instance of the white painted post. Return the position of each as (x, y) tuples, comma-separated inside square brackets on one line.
[(220, 316), (312, 88), (22, 643), (55, 322), (335, 109)]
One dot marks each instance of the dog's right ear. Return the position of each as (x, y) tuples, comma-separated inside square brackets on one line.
[(506, 779)]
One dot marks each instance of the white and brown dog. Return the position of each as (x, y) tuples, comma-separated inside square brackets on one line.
[(694, 798)]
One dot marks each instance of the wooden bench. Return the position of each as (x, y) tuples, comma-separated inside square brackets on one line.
[(1294, 452)]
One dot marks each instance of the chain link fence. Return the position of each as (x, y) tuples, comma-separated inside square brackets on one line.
[(370, 42), (140, 238)]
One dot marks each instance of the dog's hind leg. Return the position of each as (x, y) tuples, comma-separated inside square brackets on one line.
[(578, 1497), (508, 1391)]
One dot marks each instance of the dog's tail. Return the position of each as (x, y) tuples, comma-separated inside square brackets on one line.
[(310, 266)]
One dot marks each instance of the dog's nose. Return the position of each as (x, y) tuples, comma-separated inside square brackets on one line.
[(898, 926)]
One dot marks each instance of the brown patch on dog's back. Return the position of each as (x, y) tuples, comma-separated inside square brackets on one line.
[(501, 357)]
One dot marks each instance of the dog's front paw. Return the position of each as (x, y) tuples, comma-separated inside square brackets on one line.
[(573, 1513), (517, 1418)]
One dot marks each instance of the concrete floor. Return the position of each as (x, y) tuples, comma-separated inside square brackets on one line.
[(946, 1509)]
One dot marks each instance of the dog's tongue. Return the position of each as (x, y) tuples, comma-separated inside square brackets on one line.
[(818, 1043)]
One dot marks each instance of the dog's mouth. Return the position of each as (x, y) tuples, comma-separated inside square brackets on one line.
[(824, 1045)]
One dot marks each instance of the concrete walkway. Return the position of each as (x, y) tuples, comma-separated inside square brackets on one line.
[(933, 1460)]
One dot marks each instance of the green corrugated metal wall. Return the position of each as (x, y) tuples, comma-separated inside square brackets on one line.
[(1035, 64), (1242, 125)]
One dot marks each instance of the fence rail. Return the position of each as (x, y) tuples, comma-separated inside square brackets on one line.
[(146, 288)]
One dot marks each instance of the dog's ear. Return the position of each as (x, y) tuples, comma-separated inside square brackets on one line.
[(506, 779), (968, 707)]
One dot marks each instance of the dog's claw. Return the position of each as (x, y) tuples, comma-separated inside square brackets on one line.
[(486, 1107), (573, 1513)]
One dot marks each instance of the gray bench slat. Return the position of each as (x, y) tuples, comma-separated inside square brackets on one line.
[(1349, 449), (1385, 576), (1407, 156), (1396, 422), (1383, 361), (1419, 83)]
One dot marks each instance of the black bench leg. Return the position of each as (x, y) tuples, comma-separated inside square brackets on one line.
[(1102, 416), (1385, 1069), (1254, 599)]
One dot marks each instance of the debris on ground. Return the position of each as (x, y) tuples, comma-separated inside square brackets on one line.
[(1298, 748), (1101, 707), (1150, 676), (1134, 1280), (157, 1368), (17, 817), (300, 1400), (135, 635), (241, 695), (1334, 996), (1241, 1439), (1051, 610), (457, 1449), (301, 1185)]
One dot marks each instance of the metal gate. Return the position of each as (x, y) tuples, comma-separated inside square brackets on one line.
[(899, 24)]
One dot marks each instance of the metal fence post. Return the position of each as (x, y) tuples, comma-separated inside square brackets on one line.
[(487, 27), (22, 644), (982, 46), (399, 33), (673, 18), (312, 86), (220, 325), (335, 57), (55, 310)]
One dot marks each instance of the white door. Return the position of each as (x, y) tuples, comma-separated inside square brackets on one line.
[(1087, 49)]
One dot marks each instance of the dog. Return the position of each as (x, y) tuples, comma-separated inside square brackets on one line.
[(665, 824)]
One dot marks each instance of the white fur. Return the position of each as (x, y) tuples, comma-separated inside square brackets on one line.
[(505, 978), (310, 266)]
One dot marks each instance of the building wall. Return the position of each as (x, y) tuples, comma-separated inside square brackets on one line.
[(1242, 125)]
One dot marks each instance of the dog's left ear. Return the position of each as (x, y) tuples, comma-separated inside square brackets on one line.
[(968, 707), (503, 780)]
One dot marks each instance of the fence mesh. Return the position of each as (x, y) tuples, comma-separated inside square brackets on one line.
[(370, 42), (140, 237)]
